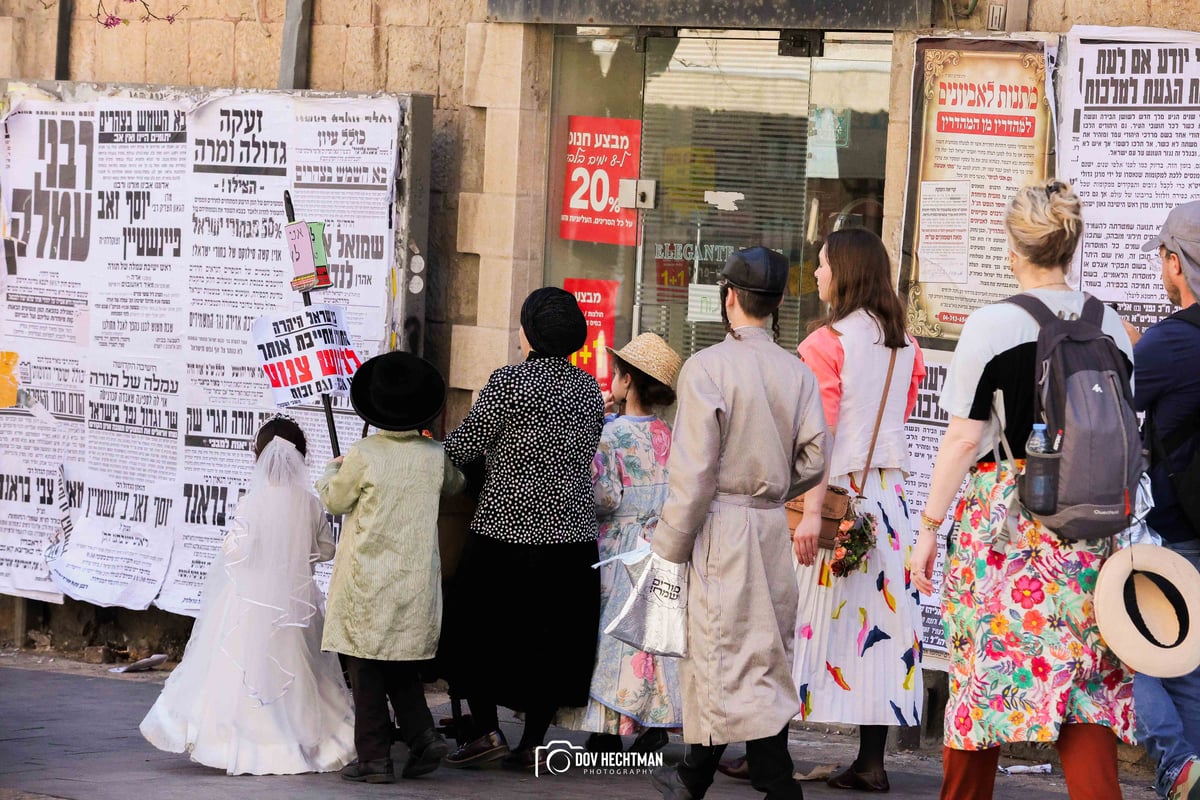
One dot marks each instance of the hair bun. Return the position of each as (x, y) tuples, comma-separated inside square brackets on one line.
[(1044, 222)]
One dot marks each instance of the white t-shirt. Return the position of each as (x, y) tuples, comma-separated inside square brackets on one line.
[(998, 352)]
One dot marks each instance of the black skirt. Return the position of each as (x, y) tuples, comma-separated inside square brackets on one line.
[(521, 623)]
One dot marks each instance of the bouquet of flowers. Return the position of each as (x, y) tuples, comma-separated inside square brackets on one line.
[(855, 538)]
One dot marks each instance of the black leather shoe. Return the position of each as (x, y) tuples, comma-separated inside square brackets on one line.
[(849, 778), (735, 768), (425, 754), (378, 771), (604, 743), (667, 781), (650, 740), (528, 758), (481, 752)]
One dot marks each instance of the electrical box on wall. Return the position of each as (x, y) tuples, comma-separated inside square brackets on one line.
[(1008, 15), (636, 193)]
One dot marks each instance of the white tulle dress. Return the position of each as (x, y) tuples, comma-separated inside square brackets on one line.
[(254, 694)]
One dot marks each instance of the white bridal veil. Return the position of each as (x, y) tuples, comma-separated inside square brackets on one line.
[(266, 568)]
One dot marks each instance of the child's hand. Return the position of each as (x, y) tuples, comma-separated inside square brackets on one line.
[(610, 404), (337, 461)]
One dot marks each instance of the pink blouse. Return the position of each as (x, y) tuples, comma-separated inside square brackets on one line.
[(822, 351)]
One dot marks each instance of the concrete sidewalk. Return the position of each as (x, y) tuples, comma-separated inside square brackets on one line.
[(75, 735)]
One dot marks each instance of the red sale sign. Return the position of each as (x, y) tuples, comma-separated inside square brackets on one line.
[(601, 152), (598, 302)]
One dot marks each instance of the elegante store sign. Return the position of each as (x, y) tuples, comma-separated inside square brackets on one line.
[(690, 251)]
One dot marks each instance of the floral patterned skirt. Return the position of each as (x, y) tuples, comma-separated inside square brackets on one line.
[(630, 690), (1026, 656)]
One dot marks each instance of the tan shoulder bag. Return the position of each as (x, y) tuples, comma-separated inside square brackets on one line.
[(837, 506)]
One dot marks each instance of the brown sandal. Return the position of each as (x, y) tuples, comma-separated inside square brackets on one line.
[(860, 781)]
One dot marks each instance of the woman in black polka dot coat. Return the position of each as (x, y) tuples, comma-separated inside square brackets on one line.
[(522, 621)]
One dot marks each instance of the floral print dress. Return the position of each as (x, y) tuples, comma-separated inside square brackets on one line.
[(630, 689), (1026, 656)]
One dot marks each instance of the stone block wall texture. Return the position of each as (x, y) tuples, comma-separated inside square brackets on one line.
[(357, 46)]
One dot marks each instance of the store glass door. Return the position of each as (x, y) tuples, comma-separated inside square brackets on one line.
[(738, 146), (750, 147)]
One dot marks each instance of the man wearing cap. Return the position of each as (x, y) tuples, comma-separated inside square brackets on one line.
[(1168, 709), (749, 434)]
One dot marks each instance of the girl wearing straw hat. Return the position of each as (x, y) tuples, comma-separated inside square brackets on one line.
[(632, 691)]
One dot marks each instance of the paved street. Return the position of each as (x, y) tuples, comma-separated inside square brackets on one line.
[(70, 730)]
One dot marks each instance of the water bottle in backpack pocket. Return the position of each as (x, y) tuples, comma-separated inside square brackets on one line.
[(1038, 484)]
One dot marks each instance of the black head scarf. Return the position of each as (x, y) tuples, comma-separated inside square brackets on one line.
[(552, 322)]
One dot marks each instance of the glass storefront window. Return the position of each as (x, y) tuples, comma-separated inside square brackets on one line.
[(598, 75), (737, 146)]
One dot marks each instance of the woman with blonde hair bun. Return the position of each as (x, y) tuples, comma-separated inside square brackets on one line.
[(1027, 663)]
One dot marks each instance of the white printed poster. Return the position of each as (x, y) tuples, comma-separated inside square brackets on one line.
[(944, 238), (118, 550), (1129, 139), (149, 237), (199, 531), (924, 430), (34, 443)]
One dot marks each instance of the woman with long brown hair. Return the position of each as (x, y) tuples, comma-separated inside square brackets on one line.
[(858, 654)]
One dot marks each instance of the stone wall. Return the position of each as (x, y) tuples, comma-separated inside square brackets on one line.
[(1045, 16), (357, 46)]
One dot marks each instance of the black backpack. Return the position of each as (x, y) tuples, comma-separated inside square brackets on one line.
[(1083, 392), (1186, 481)]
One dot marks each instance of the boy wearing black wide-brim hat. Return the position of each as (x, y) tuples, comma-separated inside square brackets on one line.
[(385, 599)]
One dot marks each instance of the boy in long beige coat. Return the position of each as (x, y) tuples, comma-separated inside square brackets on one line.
[(385, 597), (749, 435)]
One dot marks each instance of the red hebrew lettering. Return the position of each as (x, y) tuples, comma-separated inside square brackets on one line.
[(328, 361), (272, 375), (304, 369)]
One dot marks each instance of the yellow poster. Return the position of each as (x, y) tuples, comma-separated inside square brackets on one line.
[(8, 379)]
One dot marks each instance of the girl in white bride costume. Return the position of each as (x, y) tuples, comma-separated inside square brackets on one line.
[(254, 694)]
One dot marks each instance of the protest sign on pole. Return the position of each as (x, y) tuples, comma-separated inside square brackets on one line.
[(306, 353), (305, 256)]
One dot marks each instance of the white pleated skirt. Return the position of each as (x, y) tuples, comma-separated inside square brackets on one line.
[(858, 646)]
